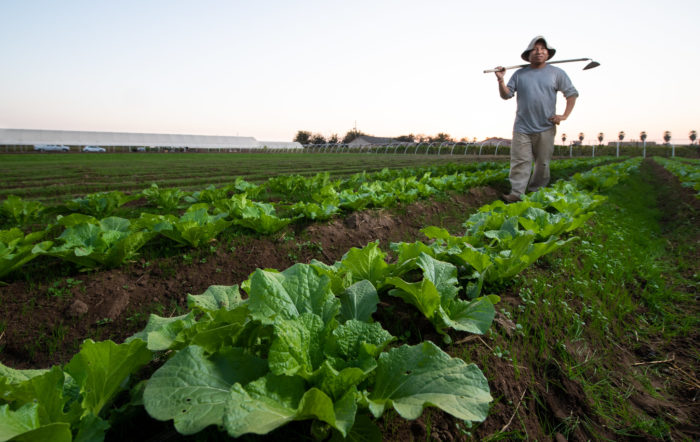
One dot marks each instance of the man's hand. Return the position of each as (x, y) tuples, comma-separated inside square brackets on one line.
[(557, 119), (500, 72)]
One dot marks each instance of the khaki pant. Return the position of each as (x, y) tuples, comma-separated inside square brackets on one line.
[(524, 150)]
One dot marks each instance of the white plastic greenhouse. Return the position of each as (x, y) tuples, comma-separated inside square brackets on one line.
[(29, 137)]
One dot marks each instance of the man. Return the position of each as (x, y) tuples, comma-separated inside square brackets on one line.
[(536, 87)]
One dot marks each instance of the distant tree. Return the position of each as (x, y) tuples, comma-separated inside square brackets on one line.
[(317, 139), (410, 138), (351, 135), (333, 139), (303, 137), (441, 138), (667, 136)]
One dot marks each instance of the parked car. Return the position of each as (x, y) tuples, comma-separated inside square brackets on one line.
[(51, 148), (94, 149)]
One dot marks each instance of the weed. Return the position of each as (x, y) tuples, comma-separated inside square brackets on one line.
[(60, 289), (55, 341), (136, 318)]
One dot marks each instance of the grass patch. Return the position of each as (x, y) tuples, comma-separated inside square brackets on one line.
[(617, 297)]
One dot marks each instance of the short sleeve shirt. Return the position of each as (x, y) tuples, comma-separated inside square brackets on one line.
[(536, 94)]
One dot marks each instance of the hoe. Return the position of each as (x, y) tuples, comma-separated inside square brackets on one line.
[(591, 65)]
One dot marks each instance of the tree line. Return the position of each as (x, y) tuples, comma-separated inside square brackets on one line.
[(308, 137)]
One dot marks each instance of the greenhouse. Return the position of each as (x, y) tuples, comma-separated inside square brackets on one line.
[(19, 138)]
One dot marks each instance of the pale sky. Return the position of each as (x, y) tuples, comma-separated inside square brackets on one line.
[(267, 69)]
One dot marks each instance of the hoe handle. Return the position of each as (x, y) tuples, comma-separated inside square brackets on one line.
[(528, 64)]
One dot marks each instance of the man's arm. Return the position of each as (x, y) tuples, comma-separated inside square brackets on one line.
[(502, 88), (570, 103)]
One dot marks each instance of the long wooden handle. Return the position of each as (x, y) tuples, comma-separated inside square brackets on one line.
[(528, 64)]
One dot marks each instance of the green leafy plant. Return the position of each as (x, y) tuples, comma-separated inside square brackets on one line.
[(16, 248), (19, 212), (90, 243), (168, 199), (72, 403), (293, 350), (196, 227), (100, 204)]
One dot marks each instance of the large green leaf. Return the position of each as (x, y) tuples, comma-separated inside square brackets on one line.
[(273, 401), (475, 316), (13, 423), (366, 263), (263, 405), (160, 333), (193, 390), (288, 294), (442, 274), (354, 340), (101, 369), (423, 294), (216, 297), (297, 348), (359, 301), (47, 390), (409, 378)]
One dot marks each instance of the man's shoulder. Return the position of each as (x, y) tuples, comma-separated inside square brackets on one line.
[(555, 69)]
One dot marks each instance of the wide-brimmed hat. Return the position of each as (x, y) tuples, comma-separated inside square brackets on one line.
[(526, 54)]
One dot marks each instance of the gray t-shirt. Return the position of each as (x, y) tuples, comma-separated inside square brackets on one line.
[(537, 96)]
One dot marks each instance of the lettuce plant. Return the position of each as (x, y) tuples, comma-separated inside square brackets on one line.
[(100, 204), (16, 248), (168, 199), (208, 195), (90, 243), (19, 212), (261, 218), (195, 227), (72, 403), (293, 350)]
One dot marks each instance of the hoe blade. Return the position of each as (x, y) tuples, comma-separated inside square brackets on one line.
[(591, 65)]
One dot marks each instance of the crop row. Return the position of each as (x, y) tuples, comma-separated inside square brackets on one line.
[(302, 344), (91, 242), (688, 173), (54, 178)]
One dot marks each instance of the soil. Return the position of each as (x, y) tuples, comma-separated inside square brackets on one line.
[(46, 320)]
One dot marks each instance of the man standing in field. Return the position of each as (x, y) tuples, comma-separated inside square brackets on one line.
[(536, 87)]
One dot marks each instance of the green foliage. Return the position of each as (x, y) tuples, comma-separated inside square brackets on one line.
[(261, 218), (18, 212), (168, 199), (317, 198), (90, 243), (208, 195), (687, 173), (16, 248), (302, 344), (71, 403), (99, 204), (291, 358), (196, 227)]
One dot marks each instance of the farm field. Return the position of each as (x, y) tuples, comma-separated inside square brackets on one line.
[(59, 177), (596, 340)]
